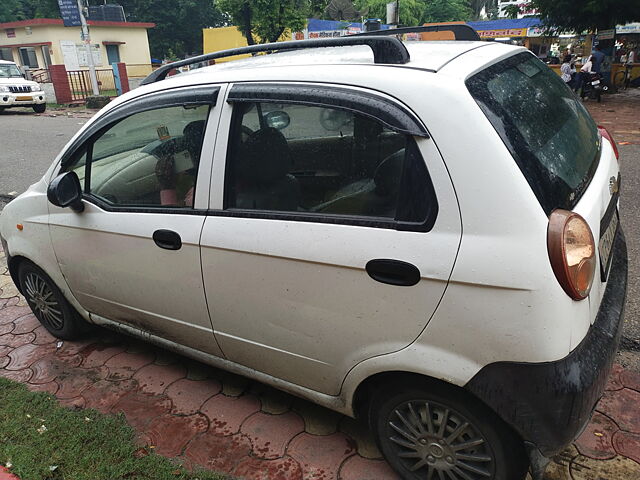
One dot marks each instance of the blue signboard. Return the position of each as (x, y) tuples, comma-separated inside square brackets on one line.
[(70, 13)]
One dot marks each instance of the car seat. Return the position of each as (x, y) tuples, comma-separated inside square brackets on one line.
[(375, 197), (262, 179)]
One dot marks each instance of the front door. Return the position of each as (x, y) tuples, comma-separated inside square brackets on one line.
[(113, 54), (336, 234), (132, 255)]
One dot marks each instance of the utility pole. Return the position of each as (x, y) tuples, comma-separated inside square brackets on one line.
[(87, 42)]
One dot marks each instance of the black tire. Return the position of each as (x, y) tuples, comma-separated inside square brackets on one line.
[(40, 108), (49, 305), (424, 451)]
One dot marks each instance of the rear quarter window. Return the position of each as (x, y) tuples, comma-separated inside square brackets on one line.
[(551, 136)]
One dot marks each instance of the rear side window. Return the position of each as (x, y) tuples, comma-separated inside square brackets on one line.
[(547, 130), (322, 163)]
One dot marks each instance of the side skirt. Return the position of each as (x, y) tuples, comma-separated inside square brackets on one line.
[(337, 404)]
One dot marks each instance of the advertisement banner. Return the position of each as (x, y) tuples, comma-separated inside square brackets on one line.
[(509, 32), (606, 34)]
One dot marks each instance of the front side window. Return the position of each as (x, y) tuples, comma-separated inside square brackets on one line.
[(149, 159), (316, 162)]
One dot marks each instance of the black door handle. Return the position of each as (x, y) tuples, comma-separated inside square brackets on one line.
[(393, 272), (167, 239)]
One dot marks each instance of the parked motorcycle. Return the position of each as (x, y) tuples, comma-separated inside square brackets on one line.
[(593, 86)]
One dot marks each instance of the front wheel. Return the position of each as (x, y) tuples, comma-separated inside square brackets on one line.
[(435, 432), (40, 108), (48, 304)]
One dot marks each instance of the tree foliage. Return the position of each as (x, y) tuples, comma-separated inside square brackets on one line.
[(447, 11), (266, 20), (179, 23), (417, 12), (587, 14)]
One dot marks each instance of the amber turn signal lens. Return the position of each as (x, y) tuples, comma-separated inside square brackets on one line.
[(20, 227), (572, 252)]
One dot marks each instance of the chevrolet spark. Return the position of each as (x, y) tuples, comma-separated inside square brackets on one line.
[(424, 235)]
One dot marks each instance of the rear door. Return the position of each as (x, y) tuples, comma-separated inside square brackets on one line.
[(332, 231)]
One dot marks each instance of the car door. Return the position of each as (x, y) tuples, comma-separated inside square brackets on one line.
[(327, 242), (132, 256)]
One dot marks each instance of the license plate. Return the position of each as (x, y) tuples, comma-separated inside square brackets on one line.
[(597, 82), (24, 99), (606, 244)]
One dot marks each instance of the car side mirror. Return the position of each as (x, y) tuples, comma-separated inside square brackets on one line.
[(65, 191)]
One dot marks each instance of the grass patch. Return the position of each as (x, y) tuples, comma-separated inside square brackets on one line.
[(78, 445)]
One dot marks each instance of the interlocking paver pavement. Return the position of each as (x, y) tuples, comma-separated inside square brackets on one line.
[(217, 420)]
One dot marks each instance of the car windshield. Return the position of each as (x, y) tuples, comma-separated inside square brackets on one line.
[(8, 71), (544, 125)]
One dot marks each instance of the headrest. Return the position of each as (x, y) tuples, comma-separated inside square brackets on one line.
[(264, 157), (193, 134), (388, 174)]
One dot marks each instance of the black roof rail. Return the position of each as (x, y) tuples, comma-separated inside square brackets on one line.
[(460, 30), (388, 50)]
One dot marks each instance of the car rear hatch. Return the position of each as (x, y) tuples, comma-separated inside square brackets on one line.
[(558, 147)]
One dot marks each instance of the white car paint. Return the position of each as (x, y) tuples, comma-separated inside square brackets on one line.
[(19, 92), (487, 291)]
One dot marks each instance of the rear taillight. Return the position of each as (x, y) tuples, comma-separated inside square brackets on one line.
[(572, 252), (605, 133)]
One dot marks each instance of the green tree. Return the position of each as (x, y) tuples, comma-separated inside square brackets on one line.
[(411, 11), (8, 9), (512, 11), (590, 15), (179, 23), (447, 11), (266, 20)]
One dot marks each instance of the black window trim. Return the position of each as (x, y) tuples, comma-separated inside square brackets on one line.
[(336, 219), (391, 114), (193, 96)]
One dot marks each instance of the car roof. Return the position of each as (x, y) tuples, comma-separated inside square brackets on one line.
[(7, 62), (431, 56)]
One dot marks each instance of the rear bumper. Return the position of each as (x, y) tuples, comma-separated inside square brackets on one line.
[(549, 404)]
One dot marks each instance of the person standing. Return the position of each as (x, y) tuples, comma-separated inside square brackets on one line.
[(567, 70), (597, 58)]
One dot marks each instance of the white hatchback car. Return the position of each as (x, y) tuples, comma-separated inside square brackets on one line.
[(16, 91), (426, 237)]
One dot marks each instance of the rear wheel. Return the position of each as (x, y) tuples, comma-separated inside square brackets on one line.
[(48, 304), (40, 108), (435, 432)]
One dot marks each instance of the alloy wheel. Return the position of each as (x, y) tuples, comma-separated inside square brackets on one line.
[(438, 443), (43, 301)]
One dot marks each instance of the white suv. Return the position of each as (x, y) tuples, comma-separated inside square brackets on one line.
[(426, 237), (15, 91)]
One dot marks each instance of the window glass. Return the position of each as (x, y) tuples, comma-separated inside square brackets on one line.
[(148, 159), (550, 133), (300, 158), (5, 54), (28, 56), (9, 71)]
